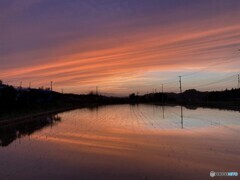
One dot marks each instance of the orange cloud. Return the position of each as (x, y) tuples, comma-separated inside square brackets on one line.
[(110, 64)]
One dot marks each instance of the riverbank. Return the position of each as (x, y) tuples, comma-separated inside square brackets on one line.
[(20, 117), (23, 118)]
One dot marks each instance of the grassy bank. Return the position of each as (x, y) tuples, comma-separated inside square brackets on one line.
[(28, 114)]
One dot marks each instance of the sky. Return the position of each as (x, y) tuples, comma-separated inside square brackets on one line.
[(121, 46)]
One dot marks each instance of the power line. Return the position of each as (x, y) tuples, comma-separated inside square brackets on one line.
[(171, 82), (227, 60), (226, 79), (211, 83), (219, 81)]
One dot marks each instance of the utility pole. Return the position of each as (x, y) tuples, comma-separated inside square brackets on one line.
[(21, 84), (51, 85), (180, 82), (62, 91), (96, 90), (30, 85)]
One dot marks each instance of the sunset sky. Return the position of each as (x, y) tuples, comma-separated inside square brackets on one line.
[(121, 46)]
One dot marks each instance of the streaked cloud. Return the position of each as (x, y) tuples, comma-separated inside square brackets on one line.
[(118, 53)]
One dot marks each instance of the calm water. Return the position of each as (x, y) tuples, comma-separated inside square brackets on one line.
[(122, 142)]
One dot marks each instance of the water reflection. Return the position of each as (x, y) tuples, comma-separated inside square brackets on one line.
[(163, 111), (123, 142), (135, 116), (182, 116), (10, 133)]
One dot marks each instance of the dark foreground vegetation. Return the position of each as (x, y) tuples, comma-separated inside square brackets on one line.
[(11, 132), (16, 102)]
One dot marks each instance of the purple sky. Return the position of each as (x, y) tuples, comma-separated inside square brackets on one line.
[(120, 46)]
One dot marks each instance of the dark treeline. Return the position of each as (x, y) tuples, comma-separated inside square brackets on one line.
[(189, 96), (26, 100), (21, 101), (228, 99)]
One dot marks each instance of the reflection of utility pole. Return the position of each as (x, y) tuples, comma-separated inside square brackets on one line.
[(163, 111), (180, 82), (162, 93), (238, 81), (182, 116)]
